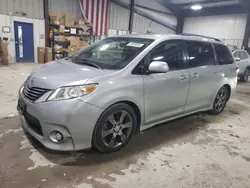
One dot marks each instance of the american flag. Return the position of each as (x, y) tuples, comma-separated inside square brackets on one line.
[(96, 11)]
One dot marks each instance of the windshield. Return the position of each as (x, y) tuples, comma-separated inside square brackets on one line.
[(111, 53)]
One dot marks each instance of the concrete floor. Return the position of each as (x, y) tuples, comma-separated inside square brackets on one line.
[(197, 151)]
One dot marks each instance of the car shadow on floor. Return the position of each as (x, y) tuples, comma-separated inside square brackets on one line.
[(166, 134)]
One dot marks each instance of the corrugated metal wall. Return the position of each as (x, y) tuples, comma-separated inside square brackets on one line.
[(230, 28), (118, 17), (119, 21), (66, 6), (144, 25), (33, 8)]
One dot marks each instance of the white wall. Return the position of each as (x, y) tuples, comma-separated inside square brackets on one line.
[(230, 28), (32, 8), (39, 32)]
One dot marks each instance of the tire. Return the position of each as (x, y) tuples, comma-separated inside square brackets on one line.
[(114, 128), (245, 77), (220, 101)]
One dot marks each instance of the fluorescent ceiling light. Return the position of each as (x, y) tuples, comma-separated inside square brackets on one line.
[(196, 7)]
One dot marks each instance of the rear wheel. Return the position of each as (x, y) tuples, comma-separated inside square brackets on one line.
[(114, 128), (245, 77), (220, 101)]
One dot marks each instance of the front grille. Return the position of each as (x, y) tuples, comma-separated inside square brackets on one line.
[(34, 93), (33, 123)]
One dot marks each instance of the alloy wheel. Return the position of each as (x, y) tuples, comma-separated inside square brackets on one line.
[(220, 100), (117, 129)]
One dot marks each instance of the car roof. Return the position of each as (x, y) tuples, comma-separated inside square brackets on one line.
[(170, 36)]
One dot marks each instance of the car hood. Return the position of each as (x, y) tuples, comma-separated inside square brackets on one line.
[(63, 73)]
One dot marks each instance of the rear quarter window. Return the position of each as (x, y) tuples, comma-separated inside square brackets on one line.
[(224, 55)]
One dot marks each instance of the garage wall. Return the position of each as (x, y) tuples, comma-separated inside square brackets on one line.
[(118, 22), (32, 8), (39, 33), (66, 6), (142, 25), (230, 28)]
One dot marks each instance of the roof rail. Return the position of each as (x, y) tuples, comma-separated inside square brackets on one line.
[(188, 34)]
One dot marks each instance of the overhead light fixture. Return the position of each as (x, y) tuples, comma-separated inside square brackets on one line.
[(196, 7)]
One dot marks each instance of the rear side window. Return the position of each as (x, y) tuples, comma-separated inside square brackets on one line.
[(243, 55), (224, 55), (237, 54), (200, 54)]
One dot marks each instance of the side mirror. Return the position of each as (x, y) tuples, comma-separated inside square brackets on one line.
[(158, 67), (237, 58)]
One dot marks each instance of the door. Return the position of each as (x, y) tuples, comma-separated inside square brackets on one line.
[(165, 94), (24, 42), (205, 75)]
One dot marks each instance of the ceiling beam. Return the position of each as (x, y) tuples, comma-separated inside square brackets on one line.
[(232, 9), (245, 4), (175, 9)]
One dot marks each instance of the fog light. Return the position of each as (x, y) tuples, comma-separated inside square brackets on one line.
[(56, 136)]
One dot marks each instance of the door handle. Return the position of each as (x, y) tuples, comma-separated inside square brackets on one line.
[(184, 77), (195, 75)]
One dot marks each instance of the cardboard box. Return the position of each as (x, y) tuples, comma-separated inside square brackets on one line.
[(60, 18), (53, 19), (60, 38), (41, 55), (73, 49), (4, 47), (69, 20), (48, 54), (74, 41), (83, 44), (62, 29)]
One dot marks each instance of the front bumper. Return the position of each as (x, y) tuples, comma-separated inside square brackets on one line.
[(73, 118)]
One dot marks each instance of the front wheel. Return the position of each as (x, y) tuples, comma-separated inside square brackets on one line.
[(220, 101), (114, 128)]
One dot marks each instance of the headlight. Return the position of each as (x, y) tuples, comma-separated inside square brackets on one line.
[(72, 92)]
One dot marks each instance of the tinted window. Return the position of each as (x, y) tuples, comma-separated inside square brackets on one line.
[(224, 55), (237, 54), (243, 55), (170, 52), (200, 54)]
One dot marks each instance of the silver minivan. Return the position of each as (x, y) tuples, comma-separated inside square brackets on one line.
[(104, 94)]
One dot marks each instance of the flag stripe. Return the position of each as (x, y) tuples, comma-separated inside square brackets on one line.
[(86, 8), (102, 24), (97, 13), (106, 18), (104, 14), (97, 18)]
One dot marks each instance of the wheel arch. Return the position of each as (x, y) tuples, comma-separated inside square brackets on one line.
[(229, 90), (137, 112)]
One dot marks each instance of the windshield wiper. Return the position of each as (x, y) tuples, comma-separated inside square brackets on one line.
[(88, 62)]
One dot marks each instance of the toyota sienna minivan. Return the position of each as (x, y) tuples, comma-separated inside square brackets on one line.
[(105, 93)]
